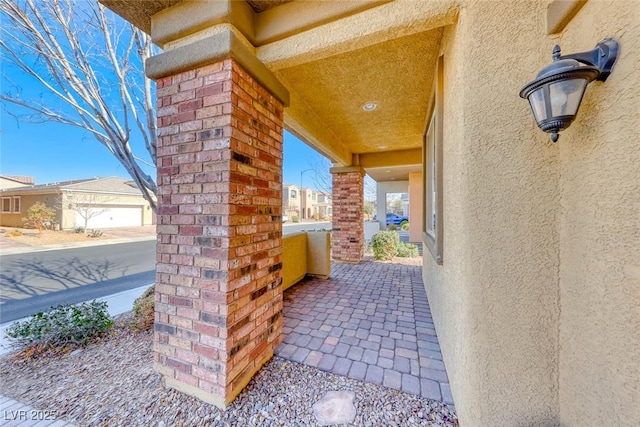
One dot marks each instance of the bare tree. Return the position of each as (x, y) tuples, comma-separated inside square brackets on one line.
[(89, 64), (87, 206), (322, 179)]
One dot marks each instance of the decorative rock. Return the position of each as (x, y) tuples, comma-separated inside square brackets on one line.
[(335, 407)]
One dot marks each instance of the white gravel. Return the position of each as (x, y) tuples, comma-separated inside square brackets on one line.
[(112, 383)]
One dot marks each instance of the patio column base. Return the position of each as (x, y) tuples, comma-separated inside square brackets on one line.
[(218, 302), (348, 214)]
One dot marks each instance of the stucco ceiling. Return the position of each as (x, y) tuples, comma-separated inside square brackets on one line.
[(396, 75), (328, 91)]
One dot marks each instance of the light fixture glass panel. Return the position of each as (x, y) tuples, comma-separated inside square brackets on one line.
[(566, 96), (536, 99)]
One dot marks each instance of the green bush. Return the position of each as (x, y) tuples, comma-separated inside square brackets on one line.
[(384, 244), (78, 230), (144, 309), (62, 325), (407, 250), (295, 218), (38, 216), (95, 233), (404, 225)]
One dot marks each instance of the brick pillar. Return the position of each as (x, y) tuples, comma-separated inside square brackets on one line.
[(348, 214), (219, 286)]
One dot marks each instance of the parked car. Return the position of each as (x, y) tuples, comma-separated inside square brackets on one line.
[(396, 219), (285, 218)]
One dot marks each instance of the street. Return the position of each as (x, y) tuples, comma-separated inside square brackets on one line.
[(34, 282)]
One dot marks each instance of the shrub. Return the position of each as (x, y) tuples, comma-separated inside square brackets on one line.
[(391, 227), (144, 309), (14, 233), (78, 230), (384, 244), (95, 233), (38, 216), (407, 250), (295, 218), (62, 325), (404, 225)]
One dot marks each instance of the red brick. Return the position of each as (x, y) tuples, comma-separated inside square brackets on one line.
[(218, 171)]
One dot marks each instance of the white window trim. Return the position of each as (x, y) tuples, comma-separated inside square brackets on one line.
[(2, 207), (13, 204)]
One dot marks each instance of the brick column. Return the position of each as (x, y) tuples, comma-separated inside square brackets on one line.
[(219, 286), (348, 214)]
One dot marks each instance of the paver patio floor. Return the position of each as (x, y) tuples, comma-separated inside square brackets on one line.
[(369, 321)]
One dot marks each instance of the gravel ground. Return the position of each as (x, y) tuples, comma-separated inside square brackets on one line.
[(31, 237), (112, 383)]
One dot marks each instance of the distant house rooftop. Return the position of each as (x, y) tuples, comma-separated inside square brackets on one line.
[(103, 185)]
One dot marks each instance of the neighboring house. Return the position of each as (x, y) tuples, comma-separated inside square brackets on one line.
[(305, 203), (315, 204), (13, 181), (103, 202), (291, 201), (531, 256)]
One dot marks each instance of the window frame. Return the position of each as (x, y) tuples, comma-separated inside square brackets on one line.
[(433, 237), (2, 209), (13, 204)]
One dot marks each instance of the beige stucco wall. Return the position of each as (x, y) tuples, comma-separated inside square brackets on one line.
[(537, 304), (416, 192), (599, 226), (495, 298), (26, 201), (294, 259)]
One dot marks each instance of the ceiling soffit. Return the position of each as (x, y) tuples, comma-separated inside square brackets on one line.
[(259, 6), (396, 75)]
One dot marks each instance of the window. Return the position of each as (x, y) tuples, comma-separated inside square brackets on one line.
[(293, 194), (6, 204), (16, 204), (432, 170)]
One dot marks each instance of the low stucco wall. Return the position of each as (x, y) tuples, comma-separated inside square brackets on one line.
[(294, 259), (416, 206), (305, 253)]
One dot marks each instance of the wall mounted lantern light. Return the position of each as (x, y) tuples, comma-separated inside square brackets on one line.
[(557, 90)]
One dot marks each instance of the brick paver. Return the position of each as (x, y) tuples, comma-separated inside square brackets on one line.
[(369, 321)]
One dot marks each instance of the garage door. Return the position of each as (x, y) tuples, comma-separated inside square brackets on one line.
[(111, 217)]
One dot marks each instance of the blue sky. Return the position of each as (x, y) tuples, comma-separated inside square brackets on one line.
[(53, 152)]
